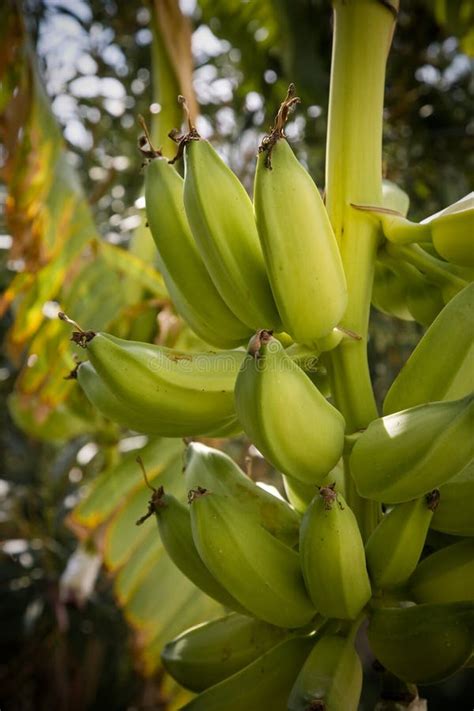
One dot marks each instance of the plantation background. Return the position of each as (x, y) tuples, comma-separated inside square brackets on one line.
[(99, 73)]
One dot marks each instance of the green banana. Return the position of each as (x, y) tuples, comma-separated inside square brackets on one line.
[(214, 470), (426, 378), (424, 300), (285, 415), (407, 454), (446, 575), (190, 286), (451, 232), (331, 677), (389, 292), (300, 495), (264, 683), (301, 253), (260, 571), (455, 513), (423, 644), (403, 291), (179, 394), (394, 198), (220, 215), (208, 653), (100, 395), (332, 557), (174, 524), (197, 320), (395, 546)]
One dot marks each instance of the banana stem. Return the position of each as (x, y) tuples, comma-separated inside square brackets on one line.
[(434, 269), (362, 36)]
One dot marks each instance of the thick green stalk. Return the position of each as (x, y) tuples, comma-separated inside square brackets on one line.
[(362, 36)]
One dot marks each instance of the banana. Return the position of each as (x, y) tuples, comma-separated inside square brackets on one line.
[(331, 677), (424, 300), (301, 253), (394, 198), (332, 557), (179, 394), (198, 321), (401, 290), (422, 644), (407, 454), (260, 571), (213, 470), (285, 415), (210, 652), (446, 575), (395, 546), (264, 683), (174, 524), (190, 286), (300, 495), (100, 395), (455, 513), (425, 378), (220, 215), (451, 232), (389, 292)]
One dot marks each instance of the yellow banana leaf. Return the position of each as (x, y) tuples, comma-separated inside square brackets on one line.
[(64, 263)]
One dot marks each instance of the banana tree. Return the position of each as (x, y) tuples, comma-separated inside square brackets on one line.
[(300, 275)]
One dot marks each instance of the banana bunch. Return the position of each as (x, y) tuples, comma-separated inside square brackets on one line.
[(165, 391), (285, 415), (423, 643), (331, 677), (332, 557), (215, 471), (395, 546), (180, 263), (407, 454), (263, 573), (213, 651), (294, 573), (446, 575), (301, 253)]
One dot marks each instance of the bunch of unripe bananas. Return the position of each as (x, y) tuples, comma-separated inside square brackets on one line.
[(296, 575)]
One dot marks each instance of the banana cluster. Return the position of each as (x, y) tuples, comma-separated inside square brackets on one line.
[(297, 587), (281, 578), (296, 576)]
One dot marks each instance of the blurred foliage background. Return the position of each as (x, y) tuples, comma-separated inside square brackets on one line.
[(60, 650)]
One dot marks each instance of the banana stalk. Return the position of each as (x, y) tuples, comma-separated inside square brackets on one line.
[(362, 36)]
